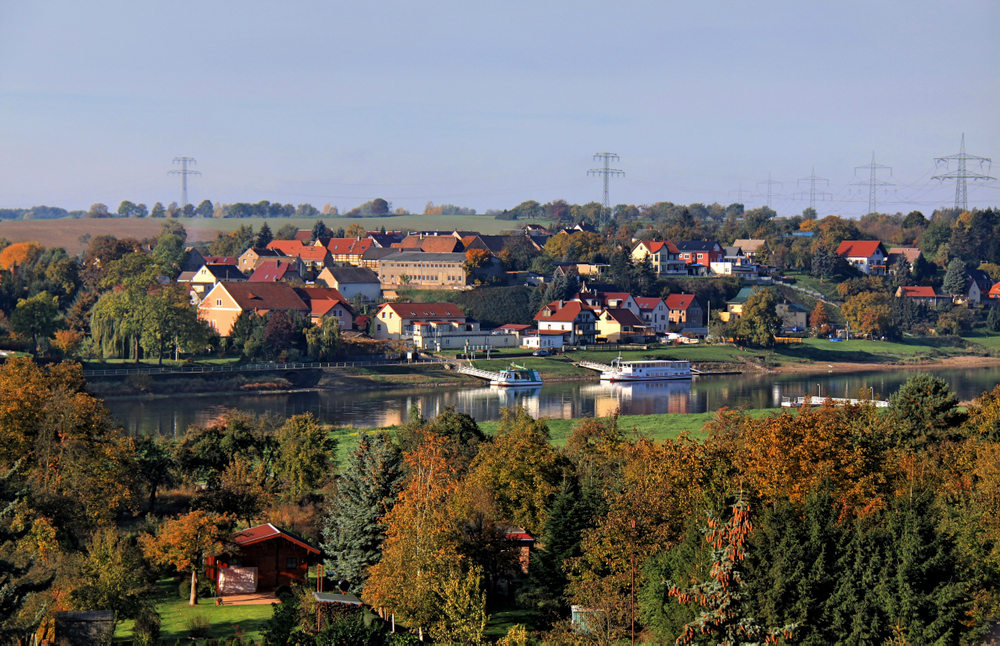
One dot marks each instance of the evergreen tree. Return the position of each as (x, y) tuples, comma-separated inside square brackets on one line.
[(993, 320), (921, 269), (320, 231), (264, 236), (353, 531), (924, 411), (954, 278)]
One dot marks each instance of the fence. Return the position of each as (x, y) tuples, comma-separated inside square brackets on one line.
[(253, 367)]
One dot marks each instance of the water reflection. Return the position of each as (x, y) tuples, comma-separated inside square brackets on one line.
[(171, 417)]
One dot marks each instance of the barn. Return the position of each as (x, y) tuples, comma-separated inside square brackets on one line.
[(266, 557)]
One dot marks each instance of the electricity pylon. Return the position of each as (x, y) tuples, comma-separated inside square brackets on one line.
[(960, 175)]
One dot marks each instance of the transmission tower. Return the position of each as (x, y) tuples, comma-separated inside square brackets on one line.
[(812, 179), (873, 181), (960, 175), (184, 172), (769, 183), (738, 194), (607, 172)]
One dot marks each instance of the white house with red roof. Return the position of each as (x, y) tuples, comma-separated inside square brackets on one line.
[(654, 313), (575, 320), (325, 302), (666, 257), (868, 256)]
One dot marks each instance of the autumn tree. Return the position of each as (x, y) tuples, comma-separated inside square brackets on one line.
[(355, 230), (820, 316), (19, 254), (113, 577), (184, 542), (759, 322), (475, 259), (870, 314), (354, 530)]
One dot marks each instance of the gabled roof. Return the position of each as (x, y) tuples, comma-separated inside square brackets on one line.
[(910, 253), (426, 256), (569, 311), (647, 302), (349, 246), (741, 297), (623, 316), (860, 248), (386, 239), (733, 251), (514, 327), (220, 260), (683, 301), (698, 245), (304, 235), (323, 299), (287, 247), (263, 252), (351, 275), (378, 253), (977, 276), (917, 291), (272, 271), (225, 272), (264, 296), (656, 246), (267, 532), (431, 244), (995, 291), (423, 310), (750, 245), (606, 297)]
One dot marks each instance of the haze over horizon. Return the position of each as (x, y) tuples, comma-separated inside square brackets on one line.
[(488, 105)]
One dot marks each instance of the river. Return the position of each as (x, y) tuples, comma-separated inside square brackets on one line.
[(172, 416)]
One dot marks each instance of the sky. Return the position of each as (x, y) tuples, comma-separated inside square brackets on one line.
[(485, 105)]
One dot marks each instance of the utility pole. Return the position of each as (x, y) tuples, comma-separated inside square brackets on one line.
[(812, 179), (873, 181), (769, 183), (184, 172), (607, 172), (960, 175)]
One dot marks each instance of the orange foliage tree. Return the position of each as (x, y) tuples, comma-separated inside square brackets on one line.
[(20, 253), (186, 540)]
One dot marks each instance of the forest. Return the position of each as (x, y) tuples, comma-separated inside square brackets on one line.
[(845, 524)]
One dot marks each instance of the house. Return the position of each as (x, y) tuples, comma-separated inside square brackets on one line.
[(752, 247), (518, 329), (619, 325), (397, 320), (312, 256), (265, 557), (995, 291), (348, 250), (922, 294), (442, 335), (385, 240), (793, 316), (325, 302), (227, 301), (867, 256), (431, 243), (221, 260), (665, 257), (371, 257), (734, 306), (543, 339), (577, 321), (654, 313), (352, 282), (733, 263), (896, 254), (979, 286), (700, 253), (427, 269), (685, 311), (252, 257), (202, 281), (193, 260), (274, 271)]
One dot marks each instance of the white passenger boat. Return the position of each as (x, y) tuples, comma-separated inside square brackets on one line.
[(643, 370)]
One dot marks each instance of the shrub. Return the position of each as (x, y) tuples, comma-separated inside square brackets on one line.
[(198, 627), (147, 627)]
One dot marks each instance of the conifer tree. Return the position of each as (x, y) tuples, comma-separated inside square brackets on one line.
[(954, 278), (353, 532), (264, 236)]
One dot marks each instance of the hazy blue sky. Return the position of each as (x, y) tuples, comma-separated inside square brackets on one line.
[(489, 104)]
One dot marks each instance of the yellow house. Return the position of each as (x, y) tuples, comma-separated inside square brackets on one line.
[(397, 320), (224, 304)]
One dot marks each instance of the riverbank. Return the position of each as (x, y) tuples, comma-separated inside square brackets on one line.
[(845, 366)]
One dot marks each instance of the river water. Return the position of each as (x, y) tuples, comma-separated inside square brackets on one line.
[(377, 408)]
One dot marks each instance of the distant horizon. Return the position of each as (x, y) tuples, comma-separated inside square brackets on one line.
[(486, 106)]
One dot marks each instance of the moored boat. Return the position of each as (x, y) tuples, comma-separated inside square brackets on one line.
[(516, 375), (646, 370)]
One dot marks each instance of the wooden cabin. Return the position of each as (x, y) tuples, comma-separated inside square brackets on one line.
[(266, 557)]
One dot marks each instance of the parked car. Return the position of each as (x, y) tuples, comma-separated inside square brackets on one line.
[(540, 353)]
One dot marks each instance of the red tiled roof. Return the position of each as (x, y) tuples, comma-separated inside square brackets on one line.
[(441, 244), (568, 312), (679, 301), (615, 296), (349, 246), (995, 291), (656, 246), (917, 291), (421, 310), (270, 271), (322, 299), (858, 248), (515, 327), (623, 316), (266, 533), (287, 247), (220, 260)]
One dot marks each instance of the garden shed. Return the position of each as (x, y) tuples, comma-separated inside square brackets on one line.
[(265, 557)]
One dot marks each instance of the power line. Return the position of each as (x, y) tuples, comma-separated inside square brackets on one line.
[(812, 179), (961, 175), (607, 172), (873, 181), (184, 172), (769, 183)]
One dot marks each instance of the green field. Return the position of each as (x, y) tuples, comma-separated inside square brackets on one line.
[(176, 617)]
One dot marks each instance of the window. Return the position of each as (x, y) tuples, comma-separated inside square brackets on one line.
[(291, 563), (378, 327), (218, 302)]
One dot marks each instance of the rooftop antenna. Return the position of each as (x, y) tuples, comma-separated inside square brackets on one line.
[(184, 172), (960, 175), (608, 173), (873, 181)]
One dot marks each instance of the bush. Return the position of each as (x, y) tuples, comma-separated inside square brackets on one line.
[(198, 627), (283, 591), (146, 628)]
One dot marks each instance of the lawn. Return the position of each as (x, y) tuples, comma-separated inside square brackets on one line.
[(224, 621), (985, 339), (828, 287)]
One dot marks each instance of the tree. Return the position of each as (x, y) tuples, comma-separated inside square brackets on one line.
[(126, 209), (320, 230), (760, 321), (993, 320), (475, 259), (185, 541), (279, 333), (20, 254), (955, 278), (463, 613), (924, 412), (98, 210), (36, 317), (870, 314), (205, 209), (820, 315), (722, 597), (114, 577), (158, 211), (380, 207), (355, 230), (323, 341), (264, 236), (306, 455), (354, 529)]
